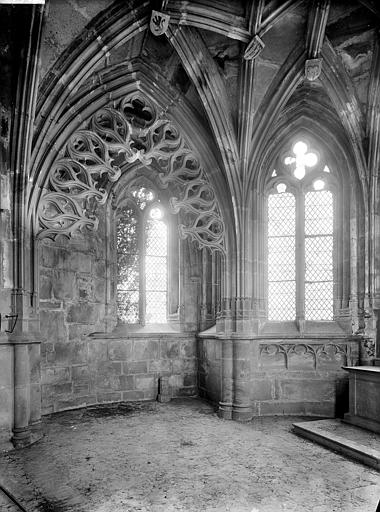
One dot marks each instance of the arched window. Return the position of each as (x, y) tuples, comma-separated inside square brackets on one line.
[(300, 250), (142, 253)]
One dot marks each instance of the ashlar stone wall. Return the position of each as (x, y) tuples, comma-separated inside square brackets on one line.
[(283, 376), (83, 359), (114, 369), (72, 305)]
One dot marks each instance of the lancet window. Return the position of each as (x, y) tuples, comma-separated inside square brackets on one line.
[(300, 243), (142, 258)]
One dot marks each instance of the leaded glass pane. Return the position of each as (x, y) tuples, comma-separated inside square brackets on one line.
[(281, 215), (281, 300), (281, 263), (318, 252), (319, 225), (155, 307), (156, 278), (128, 306), (319, 300), (128, 276), (156, 238), (127, 266), (281, 257), (156, 271), (319, 213)]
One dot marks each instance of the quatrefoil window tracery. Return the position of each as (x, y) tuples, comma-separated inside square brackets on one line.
[(300, 243), (302, 158)]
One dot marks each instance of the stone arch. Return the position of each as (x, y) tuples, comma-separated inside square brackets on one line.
[(300, 119), (77, 181)]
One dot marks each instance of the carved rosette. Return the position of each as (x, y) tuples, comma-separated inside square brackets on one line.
[(128, 131)]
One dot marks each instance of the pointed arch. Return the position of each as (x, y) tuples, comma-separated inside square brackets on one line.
[(137, 81)]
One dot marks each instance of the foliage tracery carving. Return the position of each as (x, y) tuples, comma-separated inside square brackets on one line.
[(94, 156)]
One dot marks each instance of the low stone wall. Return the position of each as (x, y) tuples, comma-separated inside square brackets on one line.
[(303, 376), (300, 377), (103, 368)]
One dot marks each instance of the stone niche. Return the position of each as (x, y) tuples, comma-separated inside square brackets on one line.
[(295, 377)]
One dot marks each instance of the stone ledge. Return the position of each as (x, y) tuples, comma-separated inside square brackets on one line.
[(352, 442), (142, 333), (366, 423)]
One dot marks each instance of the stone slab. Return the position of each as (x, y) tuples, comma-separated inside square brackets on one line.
[(366, 423), (355, 443), (364, 391)]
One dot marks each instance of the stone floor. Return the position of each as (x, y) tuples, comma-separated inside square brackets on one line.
[(181, 457)]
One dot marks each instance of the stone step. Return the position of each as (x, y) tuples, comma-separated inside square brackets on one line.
[(353, 442)]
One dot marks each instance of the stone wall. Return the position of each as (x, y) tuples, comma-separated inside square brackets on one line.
[(209, 352), (6, 391), (72, 290), (100, 368), (300, 377), (8, 57), (72, 305), (80, 367), (64, 21)]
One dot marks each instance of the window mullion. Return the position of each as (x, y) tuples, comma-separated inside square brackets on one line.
[(300, 258)]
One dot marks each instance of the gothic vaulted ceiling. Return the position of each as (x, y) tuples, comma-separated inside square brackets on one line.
[(231, 76)]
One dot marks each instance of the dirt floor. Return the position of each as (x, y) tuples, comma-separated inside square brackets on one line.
[(180, 457)]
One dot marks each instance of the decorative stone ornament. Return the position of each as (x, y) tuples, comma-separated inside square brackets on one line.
[(159, 23), (254, 48), (118, 134), (313, 68)]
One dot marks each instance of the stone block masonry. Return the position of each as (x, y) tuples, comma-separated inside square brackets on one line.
[(79, 368), (100, 368), (279, 376), (6, 390)]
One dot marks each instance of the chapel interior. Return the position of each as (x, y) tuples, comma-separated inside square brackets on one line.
[(190, 228)]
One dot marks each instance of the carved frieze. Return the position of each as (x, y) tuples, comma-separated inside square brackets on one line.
[(117, 135), (342, 353)]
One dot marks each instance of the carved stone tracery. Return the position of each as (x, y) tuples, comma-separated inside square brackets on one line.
[(317, 351), (115, 137)]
